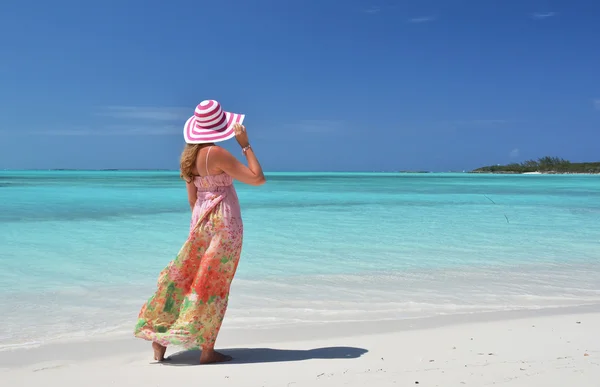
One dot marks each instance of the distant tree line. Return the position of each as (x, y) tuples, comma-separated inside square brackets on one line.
[(544, 164)]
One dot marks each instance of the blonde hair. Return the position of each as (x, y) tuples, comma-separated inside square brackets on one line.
[(188, 161)]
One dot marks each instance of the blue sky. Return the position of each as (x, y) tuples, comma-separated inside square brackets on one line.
[(326, 85)]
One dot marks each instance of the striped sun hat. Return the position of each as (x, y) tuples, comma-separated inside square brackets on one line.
[(210, 124)]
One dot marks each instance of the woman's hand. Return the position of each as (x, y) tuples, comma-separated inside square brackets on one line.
[(241, 135)]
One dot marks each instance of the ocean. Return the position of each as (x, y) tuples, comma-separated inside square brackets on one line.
[(80, 251)]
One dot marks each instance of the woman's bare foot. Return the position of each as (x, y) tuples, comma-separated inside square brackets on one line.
[(210, 356), (159, 351)]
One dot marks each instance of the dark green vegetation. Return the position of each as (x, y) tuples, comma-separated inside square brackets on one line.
[(545, 165)]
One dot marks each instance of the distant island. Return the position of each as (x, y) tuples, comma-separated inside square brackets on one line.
[(547, 165)]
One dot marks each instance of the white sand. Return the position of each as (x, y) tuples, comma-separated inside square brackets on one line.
[(528, 349)]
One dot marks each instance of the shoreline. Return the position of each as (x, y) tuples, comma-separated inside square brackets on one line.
[(294, 333), (544, 347), (294, 306)]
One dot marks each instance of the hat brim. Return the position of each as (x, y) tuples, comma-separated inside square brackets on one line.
[(194, 136)]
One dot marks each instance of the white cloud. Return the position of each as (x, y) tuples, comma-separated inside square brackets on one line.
[(148, 113), (422, 19), (514, 153), (543, 15), (129, 121), (112, 130), (373, 10)]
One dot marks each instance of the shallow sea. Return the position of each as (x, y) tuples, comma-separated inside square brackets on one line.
[(81, 251)]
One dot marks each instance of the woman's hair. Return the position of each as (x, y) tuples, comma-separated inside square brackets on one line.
[(188, 161)]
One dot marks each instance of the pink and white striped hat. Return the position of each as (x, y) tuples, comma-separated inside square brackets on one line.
[(210, 124)]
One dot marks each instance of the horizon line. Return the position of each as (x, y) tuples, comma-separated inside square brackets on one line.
[(177, 170)]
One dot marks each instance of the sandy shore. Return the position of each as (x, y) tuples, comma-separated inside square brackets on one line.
[(518, 349)]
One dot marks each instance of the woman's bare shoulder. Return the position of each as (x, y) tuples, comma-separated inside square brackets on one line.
[(220, 152)]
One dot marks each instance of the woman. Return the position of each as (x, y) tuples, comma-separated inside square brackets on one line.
[(189, 305)]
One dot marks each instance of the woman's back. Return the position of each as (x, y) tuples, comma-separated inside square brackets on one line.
[(210, 178)]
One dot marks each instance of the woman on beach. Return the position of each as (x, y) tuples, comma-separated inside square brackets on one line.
[(189, 305)]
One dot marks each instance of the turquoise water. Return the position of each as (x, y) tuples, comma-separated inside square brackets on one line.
[(81, 251)]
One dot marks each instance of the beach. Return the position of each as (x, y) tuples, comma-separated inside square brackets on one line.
[(345, 279), (547, 348)]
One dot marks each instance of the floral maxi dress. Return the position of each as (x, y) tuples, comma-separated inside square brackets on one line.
[(188, 307)]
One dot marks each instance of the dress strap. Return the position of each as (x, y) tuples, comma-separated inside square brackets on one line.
[(207, 153)]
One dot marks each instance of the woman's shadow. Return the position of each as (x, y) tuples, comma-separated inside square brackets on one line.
[(268, 355)]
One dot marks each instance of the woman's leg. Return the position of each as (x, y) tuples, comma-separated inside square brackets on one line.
[(159, 351), (210, 356)]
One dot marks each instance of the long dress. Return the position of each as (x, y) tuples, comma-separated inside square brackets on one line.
[(188, 307)]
